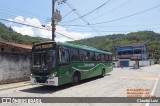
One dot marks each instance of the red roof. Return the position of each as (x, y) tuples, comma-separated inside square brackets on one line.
[(23, 46)]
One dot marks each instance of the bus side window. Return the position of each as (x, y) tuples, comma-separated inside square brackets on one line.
[(74, 54), (64, 55), (106, 57), (110, 57), (92, 56), (83, 55), (102, 57), (98, 56), (87, 56)]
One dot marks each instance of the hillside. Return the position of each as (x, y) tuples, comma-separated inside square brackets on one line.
[(150, 38), (7, 34)]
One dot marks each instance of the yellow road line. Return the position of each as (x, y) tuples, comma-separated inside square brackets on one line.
[(140, 78)]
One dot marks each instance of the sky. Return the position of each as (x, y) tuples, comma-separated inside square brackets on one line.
[(112, 17)]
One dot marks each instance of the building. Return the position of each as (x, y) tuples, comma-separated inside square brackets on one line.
[(8, 47), (128, 54), (14, 62)]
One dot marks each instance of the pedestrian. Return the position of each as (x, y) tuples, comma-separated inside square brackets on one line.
[(121, 65)]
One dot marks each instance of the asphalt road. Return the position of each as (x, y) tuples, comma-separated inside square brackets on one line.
[(114, 84)]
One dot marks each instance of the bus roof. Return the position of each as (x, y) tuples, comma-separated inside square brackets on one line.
[(82, 47), (75, 46)]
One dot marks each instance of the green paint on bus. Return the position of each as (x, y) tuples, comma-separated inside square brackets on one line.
[(57, 63)]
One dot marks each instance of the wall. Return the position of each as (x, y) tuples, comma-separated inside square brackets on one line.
[(131, 63), (10, 49), (141, 63), (14, 67)]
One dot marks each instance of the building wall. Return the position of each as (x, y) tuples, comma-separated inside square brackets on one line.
[(141, 63), (132, 63), (9, 49), (132, 48), (14, 67)]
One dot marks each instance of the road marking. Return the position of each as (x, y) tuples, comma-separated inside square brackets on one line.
[(154, 89), (141, 78)]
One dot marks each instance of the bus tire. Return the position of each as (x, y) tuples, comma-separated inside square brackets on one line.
[(103, 73), (76, 79)]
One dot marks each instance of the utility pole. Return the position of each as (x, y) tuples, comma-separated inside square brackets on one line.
[(114, 45), (56, 16), (53, 21)]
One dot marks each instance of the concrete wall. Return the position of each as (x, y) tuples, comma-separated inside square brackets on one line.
[(132, 63), (14, 67), (141, 63)]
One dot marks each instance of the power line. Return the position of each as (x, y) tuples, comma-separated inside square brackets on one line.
[(22, 23), (6, 14), (118, 30), (12, 12), (18, 10), (68, 13), (112, 26), (112, 10), (34, 27), (88, 12), (64, 34), (16, 13), (83, 18), (127, 16)]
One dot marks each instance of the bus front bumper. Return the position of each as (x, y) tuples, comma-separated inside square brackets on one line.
[(53, 81)]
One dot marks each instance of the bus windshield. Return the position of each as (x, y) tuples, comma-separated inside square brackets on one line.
[(44, 60)]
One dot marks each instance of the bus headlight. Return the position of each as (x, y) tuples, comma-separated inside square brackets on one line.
[(53, 75)]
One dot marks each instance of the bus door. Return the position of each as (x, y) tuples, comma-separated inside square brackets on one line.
[(64, 66)]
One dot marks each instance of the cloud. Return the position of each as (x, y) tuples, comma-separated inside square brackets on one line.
[(17, 19), (26, 30), (73, 35)]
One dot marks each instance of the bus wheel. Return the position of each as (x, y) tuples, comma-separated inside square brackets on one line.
[(76, 79), (103, 73)]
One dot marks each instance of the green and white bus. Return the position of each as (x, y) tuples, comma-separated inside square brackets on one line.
[(57, 63)]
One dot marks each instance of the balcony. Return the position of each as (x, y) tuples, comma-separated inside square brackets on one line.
[(128, 56)]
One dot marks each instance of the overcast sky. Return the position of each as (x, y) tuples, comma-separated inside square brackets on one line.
[(115, 16)]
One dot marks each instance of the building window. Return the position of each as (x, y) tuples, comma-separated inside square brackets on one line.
[(137, 51), (124, 52), (130, 52), (119, 53)]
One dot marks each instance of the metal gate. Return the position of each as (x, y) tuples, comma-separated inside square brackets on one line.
[(124, 63)]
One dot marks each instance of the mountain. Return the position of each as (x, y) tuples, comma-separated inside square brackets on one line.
[(7, 34), (107, 42)]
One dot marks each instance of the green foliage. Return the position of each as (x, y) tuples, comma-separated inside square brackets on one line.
[(106, 43), (150, 38), (7, 34)]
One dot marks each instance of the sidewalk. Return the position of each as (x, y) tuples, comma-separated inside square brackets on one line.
[(14, 85)]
